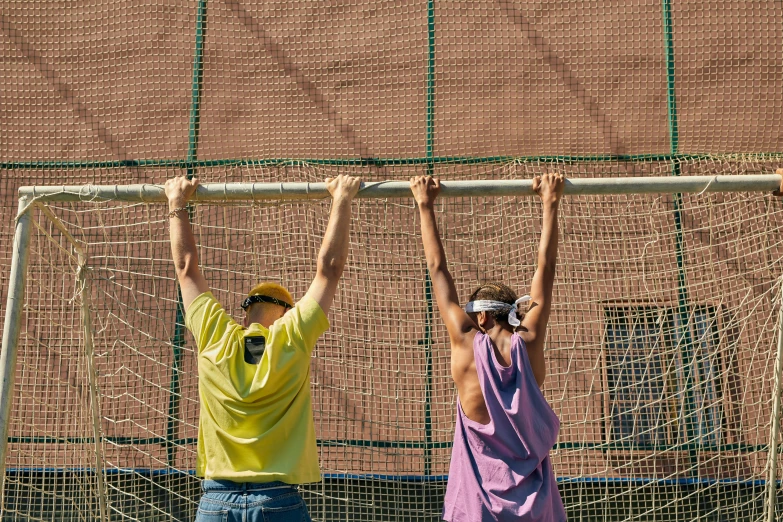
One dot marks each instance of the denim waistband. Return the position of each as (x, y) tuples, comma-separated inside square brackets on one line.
[(230, 485)]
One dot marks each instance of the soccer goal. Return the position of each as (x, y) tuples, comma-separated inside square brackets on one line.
[(663, 352)]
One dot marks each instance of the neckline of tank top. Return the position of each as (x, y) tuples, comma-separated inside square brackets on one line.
[(512, 354)]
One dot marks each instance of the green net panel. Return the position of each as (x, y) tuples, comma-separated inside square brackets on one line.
[(662, 343)]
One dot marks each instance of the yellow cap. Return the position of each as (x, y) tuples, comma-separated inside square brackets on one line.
[(273, 290)]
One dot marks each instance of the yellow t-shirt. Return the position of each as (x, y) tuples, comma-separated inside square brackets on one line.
[(256, 420)]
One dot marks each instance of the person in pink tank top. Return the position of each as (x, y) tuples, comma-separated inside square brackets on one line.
[(500, 467)]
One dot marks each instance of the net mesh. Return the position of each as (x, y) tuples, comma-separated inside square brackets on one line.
[(662, 342), (664, 390)]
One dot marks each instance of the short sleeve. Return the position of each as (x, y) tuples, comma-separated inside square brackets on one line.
[(207, 321), (305, 323)]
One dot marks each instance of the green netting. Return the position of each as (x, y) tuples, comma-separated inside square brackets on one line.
[(663, 341)]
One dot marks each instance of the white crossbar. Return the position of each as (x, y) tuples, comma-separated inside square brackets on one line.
[(227, 192)]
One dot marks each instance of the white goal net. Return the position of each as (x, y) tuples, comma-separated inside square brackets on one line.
[(660, 353)]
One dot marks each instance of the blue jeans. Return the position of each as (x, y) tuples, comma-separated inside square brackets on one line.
[(227, 501)]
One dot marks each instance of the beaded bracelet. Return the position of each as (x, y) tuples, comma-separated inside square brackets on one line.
[(176, 211)]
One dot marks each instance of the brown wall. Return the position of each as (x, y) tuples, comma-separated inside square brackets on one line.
[(98, 81)]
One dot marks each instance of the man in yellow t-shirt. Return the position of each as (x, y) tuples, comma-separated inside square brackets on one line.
[(256, 435)]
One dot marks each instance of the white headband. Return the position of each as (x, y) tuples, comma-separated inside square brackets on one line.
[(498, 306)]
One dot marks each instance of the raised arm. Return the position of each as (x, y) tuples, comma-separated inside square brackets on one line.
[(183, 244), (533, 329), (334, 248), (425, 189)]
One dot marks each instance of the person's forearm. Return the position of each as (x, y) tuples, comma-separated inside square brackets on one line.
[(183, 243), (334, 249), (433, 247), (547, 250), (442, 283)]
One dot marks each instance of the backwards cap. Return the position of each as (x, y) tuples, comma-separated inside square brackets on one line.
[(272, 290)]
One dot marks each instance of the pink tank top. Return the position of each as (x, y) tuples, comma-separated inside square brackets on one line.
[(501, 471)]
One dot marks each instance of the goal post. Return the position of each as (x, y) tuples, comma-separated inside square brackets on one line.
[(293, 191), (648, 409), (11, 329)]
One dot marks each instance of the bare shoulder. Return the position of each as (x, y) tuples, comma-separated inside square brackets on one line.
[(527, 336)]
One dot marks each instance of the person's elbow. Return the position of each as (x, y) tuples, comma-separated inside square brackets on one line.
[(436, 265), (186, 267), (547, 265), (331, 267)]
